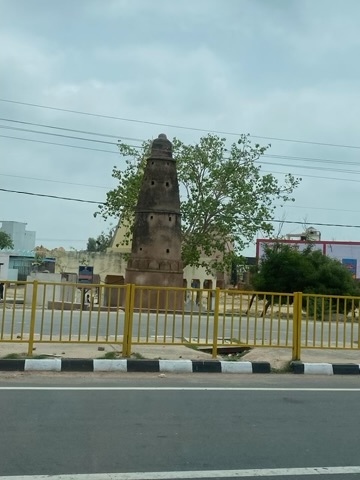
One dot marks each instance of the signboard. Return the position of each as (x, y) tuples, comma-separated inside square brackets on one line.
[(86, 274), (350, 264)]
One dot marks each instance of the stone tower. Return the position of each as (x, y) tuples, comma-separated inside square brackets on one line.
[(155, 258)]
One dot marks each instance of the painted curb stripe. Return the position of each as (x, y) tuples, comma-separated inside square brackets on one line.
[(178, 366), (143, 366), (12, 365), (77, 365), (236, 367), (326, 368), (103, 365), (261, 367), (343, 369), (297, 367), (46, 364), (318, 369), (206, 366), (175, 366)]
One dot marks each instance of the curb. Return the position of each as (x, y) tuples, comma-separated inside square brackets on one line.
[(131, 365), (325, 368)]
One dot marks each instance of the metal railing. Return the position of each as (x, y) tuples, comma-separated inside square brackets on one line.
[(125, 315)]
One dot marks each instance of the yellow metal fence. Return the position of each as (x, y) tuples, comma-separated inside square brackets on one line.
[(127, 315)]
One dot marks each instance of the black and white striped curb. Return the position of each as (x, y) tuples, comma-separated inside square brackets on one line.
[(326, 368), (131, 365)]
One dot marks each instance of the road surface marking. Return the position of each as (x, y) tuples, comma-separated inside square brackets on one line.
[(204, 389), (259, 472)]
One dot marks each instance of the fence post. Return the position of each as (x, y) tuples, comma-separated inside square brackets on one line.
[(126, 319), (32, 317), (129, 312), (216, 322), (296, 343)]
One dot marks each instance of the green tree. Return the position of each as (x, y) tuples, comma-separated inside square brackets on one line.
[(100, 243), (5, 241), (284, 269), (225, 199)]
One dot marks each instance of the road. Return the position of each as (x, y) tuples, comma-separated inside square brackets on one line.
[(76, 424), (110, 324)]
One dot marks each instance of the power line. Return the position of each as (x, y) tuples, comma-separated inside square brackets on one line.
[(116, 153), (139, 146), (220, 132), (64, 136), (51, 196), (316, 176), (305, 159), (292, 157), (316, 223), (309, 159), (309, 167), (108, 188), (60, 144), (54, 181), (323, 208), (103, 203), (60, 240), (71, 130)]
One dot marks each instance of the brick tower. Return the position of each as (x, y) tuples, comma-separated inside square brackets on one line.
[(155, 258)]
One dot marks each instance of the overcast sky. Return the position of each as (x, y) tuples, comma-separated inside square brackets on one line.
[(287, 69)]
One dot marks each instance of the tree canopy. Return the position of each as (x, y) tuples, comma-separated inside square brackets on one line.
[(284, 269), (5, 241), (225, 198), (100, 243)]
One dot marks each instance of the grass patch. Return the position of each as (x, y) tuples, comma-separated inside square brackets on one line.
[(24, 356), (285, 369), (137, 356), (15, 356), (111, 355)]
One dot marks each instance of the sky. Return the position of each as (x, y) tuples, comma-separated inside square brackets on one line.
[(284, 71)]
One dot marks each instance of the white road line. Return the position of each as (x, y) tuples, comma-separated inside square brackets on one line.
[(266, 472), (204, 389)]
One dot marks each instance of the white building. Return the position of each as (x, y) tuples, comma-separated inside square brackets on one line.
[(23, 240)]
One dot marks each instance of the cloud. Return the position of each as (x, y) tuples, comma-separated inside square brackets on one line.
[(278, 69)]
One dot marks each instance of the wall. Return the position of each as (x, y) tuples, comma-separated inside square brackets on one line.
[(4, 269), (104, 263), (44, 293)]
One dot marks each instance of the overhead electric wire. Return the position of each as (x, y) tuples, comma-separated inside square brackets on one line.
[(71, 130), (316, 223), (60, 144), (54, 127), (140, 146), (51, 196), (54, 181), (117, 153), (315, 176), (183, 127), (103, 203), (309, 167), (64, 136)]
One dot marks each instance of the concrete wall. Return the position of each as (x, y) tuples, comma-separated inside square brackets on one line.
[(44, 293), (114, 263), (104, 263), (4, 268)]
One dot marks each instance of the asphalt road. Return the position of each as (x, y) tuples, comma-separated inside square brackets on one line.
[(104, 324), (76, 424)]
